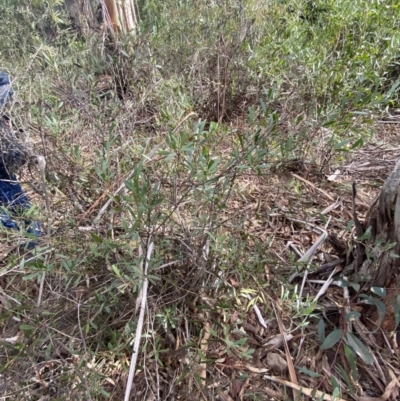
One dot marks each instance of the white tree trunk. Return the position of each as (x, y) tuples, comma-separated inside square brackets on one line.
[(120, 16)]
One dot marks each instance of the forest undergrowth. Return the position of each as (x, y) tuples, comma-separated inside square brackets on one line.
[(222, 140)]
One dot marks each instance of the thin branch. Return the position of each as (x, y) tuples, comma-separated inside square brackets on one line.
[(139, 326)]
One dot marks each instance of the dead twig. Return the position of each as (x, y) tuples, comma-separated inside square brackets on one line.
[(310, 392), (289, 361), (313, 186), (140, 324)]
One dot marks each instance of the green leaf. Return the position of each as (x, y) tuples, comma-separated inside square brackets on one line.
[(332, 339), (356, 286), (271, 93), (170, 157), (189, 147), (359, 348), (342, 145), (344, 283), (31, 276), (251, 116), (263, 106), (116, 271), (345, 376), (105, 393), (213, 126), (156, 202), (381, 292), (352, 362), (396, 310), (93, 249), (381, 311), (358, 144), (308, 372), (366, 235), (299, 119), (352, 316), (26, 328), (96, 238), (379, 304), (321, 330), (393, 89), (335, 384), (349, 226), (212, 164)]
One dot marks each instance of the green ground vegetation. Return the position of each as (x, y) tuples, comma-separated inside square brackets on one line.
[(207, 101)]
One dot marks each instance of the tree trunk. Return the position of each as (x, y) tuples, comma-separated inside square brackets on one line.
[(82, 14), (381, 263), (120, 15)]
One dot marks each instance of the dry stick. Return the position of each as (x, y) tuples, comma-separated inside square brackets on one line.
[(167, 264), (85, 375), (140, 296), (218, 74), (204, 348), (310, 392), (306, 258), (139, 326), (312, 185), (42, 168), (327, 283), (292, 372), (305, 276), (41, 288)]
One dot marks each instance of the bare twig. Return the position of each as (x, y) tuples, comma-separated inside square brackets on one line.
[(139, 326), (42, 168)]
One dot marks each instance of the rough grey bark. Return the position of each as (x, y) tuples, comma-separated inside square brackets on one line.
[(382, 262), (82, 12)]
